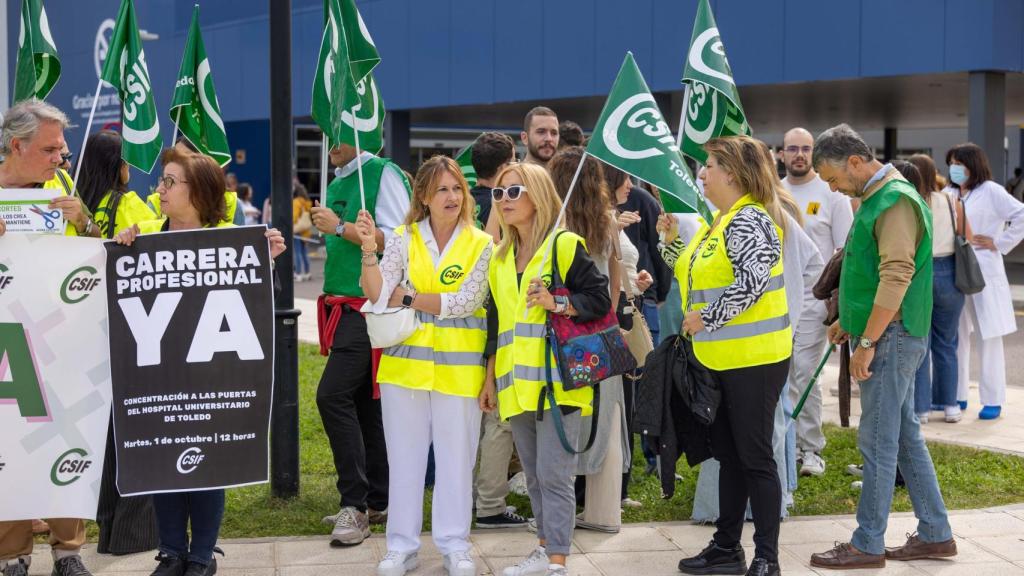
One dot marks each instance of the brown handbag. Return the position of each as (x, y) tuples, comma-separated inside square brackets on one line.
[(638, 338)]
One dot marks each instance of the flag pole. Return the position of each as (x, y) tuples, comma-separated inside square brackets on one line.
[(323, 170), (85, 137), (177, 120), (682, 115), (359, 163), (561, 214)]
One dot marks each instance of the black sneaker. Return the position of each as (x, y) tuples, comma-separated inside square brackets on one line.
[(506, 519), (169, 565), (716, 560), (70, 566), (16, 567), (762, 567), (197, 569)]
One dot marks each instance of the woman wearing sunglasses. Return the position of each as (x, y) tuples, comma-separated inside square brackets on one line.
[(527, 207), (429, 383), (191, 197)]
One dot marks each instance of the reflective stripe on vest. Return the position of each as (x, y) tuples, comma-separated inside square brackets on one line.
[(759, 335), (520, 372), (442, 355)]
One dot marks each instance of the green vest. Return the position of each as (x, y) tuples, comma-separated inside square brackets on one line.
[(858, 282), (344, 259)]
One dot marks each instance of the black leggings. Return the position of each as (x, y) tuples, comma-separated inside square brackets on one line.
[(741, 439)]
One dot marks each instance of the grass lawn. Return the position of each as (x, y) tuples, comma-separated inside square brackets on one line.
[(969, 479)]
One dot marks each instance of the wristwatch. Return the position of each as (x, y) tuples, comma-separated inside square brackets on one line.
[(865, 343), (339, 229), (408, 299)]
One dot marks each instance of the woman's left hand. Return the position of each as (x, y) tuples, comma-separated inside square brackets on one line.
[(983, 242), (537, 295), (396, 297), (276, 239), (693, 323), (644, 281)]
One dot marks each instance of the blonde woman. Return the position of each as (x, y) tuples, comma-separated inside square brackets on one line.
[(735, 312), (521, 268)]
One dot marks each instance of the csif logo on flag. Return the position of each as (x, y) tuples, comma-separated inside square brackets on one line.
[(639, 113), (364, 120)]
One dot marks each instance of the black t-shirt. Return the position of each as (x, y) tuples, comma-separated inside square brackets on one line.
[(482, 196), (644, 235)]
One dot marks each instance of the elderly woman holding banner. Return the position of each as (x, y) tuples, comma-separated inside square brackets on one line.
[(191, 197), (429, 383)]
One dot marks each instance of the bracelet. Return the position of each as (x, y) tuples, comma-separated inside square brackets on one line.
[(561, 304), (88, 227), (372, 250)]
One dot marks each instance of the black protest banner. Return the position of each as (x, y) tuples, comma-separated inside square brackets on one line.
[(191, 340)]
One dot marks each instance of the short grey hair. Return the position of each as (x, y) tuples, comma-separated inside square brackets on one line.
[(23, 119), (835, 145)]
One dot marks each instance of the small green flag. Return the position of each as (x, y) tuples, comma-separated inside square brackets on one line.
[(465, 160), (38, 67), (125, 69), (713, 108), (345, 95), (632, 136), (195, 108)]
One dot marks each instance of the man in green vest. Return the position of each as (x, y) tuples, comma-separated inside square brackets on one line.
[(885, 309), (347, 397)]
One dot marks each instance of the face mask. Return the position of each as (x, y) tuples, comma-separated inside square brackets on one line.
[(958, 174)]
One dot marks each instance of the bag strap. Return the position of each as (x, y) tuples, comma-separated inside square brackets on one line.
[(548, 391)]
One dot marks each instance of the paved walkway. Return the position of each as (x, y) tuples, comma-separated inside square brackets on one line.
[(989, 541)]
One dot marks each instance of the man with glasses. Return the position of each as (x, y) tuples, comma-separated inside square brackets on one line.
[(540, 135), (827, 217)]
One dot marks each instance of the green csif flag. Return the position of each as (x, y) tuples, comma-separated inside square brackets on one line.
[(38, 67), (345, 95), (195, 109), (465, 160), (125, 69), (632, 136), (713, 108)]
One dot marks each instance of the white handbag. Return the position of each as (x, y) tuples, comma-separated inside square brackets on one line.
[(392, 326)]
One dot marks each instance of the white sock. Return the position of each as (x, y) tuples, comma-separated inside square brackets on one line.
[(62, 554)]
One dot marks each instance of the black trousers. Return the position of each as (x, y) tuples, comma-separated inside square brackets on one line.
[(127, 523), (741, 439), (352, 418)]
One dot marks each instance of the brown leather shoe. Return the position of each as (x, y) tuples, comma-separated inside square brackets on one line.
[(377, 516), (846, 557), (917, 549)]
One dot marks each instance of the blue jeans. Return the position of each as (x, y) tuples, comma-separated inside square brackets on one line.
[(299, 257), (204, 508), (937, 377), (890, 433), (650, 311)]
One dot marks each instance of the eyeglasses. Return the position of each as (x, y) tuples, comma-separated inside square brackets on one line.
[(66, 157), (795, 149), (169, 181), (511, 193)]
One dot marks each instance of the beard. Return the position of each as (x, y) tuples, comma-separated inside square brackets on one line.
[(798, 172), (541, 152)]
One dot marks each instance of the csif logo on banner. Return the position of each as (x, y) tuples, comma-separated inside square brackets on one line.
[(640, 113), (69, 467), (79, 284), (189, 460), (5, 278)]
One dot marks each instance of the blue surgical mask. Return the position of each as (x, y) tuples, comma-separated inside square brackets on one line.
[(958, 174)]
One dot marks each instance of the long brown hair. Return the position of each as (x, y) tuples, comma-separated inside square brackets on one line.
[(750, 163), (425, 186), (205, 181), (929, 174), (545, 200), (589, 210)]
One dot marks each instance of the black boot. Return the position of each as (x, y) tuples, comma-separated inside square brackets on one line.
[(762, 567), (169, 565), (716, 560), (197, 569)]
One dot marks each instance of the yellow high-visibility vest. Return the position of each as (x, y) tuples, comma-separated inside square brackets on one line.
[(759, 335), (519, 367), (442, 355)]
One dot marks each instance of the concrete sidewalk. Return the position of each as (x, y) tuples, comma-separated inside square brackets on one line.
[(989, 542)]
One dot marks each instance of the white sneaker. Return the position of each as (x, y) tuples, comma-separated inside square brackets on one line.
[(459, 564), (813, 465), (517, 484), (953, 413), (630, 503), (535, 563), (398, 563), (923, 417), (557, 570)]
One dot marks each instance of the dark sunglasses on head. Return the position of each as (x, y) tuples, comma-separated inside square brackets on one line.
[(66, 157), (511, 193)]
